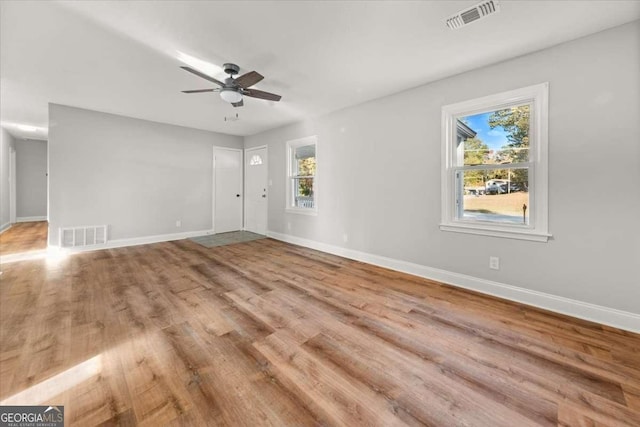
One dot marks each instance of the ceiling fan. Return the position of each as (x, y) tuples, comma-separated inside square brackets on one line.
[(232, 90)]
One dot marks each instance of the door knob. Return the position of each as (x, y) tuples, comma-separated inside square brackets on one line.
[(264, 195), (237, 195)]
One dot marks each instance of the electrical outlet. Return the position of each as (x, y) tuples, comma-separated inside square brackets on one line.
[(494, 263), (345, 237), (178, 223), (288, 226)]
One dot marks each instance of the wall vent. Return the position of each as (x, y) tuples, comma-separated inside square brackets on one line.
[(73, 237), (472, 14)]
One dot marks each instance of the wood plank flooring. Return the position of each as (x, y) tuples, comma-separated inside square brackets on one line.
[(24, 237), (266, 333)]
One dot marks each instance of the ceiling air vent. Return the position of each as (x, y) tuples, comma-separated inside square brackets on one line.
[(474, 13)]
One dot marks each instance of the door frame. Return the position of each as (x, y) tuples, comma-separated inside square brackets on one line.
[(213, 184), (12, 187), (244, 181)]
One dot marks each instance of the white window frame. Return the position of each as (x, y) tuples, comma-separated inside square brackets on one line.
[(537, 229), (290, 200)]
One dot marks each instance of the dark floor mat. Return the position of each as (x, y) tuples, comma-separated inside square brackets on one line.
[(222, 239)]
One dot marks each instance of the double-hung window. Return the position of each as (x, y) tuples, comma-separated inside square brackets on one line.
[(301, 180), (494, 165)]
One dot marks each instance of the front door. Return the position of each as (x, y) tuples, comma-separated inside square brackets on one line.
[(227, 189), (255, 169)]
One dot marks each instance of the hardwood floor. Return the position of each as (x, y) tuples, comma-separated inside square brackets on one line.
[(24, 237), (266, 333)]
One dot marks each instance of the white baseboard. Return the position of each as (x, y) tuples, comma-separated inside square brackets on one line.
[(595, 313), (24, 256), (31, 218), (134, 241), (4, 227), (55, 251)]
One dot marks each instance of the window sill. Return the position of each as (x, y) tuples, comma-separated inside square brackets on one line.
[(302, 211), (530, 235)]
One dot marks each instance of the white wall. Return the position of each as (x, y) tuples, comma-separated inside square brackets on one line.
[(31, 179), (137, 176), (379, 174), (7, 144)]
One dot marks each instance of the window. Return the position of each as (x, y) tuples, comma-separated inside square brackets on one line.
[(494, 165), (255, 160), (301, 182)]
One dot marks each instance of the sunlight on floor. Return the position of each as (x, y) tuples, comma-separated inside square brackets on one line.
[(53, 257), (47, 389), (56, 258), (24, 256)]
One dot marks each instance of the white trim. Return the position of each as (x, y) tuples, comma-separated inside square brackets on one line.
[(303, 211), (524, 234), (133, 241), (538, 228), (12, 186), (24, 256), (4, 227), (54, 251), (257, 147), (31, 218), (595, 313)]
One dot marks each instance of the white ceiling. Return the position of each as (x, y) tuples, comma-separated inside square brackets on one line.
[(121, 57)]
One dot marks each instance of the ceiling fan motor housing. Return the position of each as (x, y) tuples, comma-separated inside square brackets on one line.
[(231, 69)]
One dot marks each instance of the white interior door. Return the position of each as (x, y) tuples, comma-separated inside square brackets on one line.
[(227, 189), (255, 184)]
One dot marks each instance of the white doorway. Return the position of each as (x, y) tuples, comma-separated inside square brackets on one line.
[(227, 189), (255, 185), (12, 188)]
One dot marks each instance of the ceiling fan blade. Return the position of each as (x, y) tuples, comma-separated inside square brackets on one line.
[(254, 93), (238, 104), (249, 79), (198, 90), (204, 76)]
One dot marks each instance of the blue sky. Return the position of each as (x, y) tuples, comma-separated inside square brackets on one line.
[(495, 138)]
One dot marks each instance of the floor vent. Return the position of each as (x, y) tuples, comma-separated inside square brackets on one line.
[(73, 237), (473, 13)]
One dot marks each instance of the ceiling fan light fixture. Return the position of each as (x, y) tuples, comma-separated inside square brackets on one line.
[(230, 95)]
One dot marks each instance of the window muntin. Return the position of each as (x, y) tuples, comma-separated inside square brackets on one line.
[(302, 175), (495, 165)]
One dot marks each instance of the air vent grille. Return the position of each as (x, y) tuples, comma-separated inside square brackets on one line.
[(72, 237), (470, 15), (473, 14)]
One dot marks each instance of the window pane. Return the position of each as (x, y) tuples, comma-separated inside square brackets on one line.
[(255, 160), (303, 192), (494, 138), (496, 195), (305, 160)]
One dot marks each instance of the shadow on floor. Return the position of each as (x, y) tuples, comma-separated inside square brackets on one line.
[(229, 238)]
